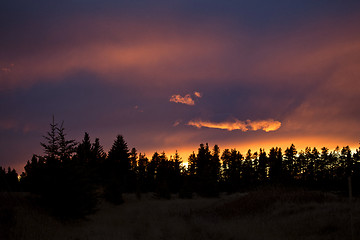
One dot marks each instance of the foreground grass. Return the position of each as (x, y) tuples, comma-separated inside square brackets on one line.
[(263, 214)]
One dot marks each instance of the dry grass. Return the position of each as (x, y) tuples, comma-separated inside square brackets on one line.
[(264, 214)]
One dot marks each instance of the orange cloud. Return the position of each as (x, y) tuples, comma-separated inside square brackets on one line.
[(185, 100), (197, 94), (265, 125)]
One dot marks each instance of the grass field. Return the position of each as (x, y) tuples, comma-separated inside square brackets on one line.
[(269, 214)]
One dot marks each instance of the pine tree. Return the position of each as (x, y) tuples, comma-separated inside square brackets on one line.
[(262, 169), (176, 172), (192, 164), (236, 168), (98, 151), (84, 151), (133, 159), (275, 161), (143, 184), (289, 163), (163, 177), (207, 185), (66, 147), (51, 148), (116, 171), (215, 164), (119, 154)]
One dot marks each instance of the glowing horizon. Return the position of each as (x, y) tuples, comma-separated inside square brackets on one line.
[(300, 145)]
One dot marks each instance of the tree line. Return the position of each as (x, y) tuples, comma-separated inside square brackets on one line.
[(70, 178)]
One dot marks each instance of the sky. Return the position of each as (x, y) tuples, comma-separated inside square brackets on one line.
[(169, 75)]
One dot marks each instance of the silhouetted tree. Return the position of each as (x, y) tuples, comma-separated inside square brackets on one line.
[(84, 151), (206, 172), (117, 170), (131, 180), (225, 158), (322, 171), (163, 177), (152, 170), (98, 151), (64, 185), (119, 153), (51, 148), (91, 158), (215, 165), (8, 180), (192, 164), (346, 157), (189, 178), (301, 165), (66, 147), (142, 182), (67, 183), (356, 172), (263, 163), (235, 169), (290, 169), (275, 161), (248, 171), (176, 173), (133, 159), (32, 178)]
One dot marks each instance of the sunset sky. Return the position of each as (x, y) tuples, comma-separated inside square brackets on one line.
[(170, 75)]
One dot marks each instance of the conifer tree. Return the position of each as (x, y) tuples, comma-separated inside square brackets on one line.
[(119, 155), (290, 155), (262, 173), (116, 171), (143, 184), (51, 148), (84, 151), (176, 172), (133, 159), (66, 147), (275, 161), (98, 151)]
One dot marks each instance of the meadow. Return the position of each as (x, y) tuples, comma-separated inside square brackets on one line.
[(267, 213)]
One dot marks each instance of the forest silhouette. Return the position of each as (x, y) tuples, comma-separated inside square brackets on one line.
[(70, 178)]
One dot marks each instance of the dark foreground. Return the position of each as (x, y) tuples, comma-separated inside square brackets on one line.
[(268, 214)]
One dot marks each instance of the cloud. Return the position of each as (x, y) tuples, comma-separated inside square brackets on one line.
[(176, 123), (197, 94), (185, 100), (265, 125), (122, 49)]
